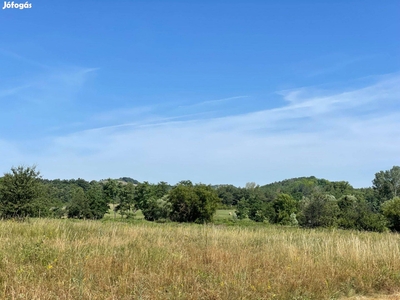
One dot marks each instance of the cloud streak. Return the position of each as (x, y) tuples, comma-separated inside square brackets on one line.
[(338, 135)]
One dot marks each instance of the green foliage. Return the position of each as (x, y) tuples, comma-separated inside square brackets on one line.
[(285, 206), (320, 211), (129, 180), (21, 193), (242, 209), (293, 220), (259, 209), (97, 202), (355, 213), (305, 187), (143, 193), (90, 205), (370, 197), (351, 210), (391, 210), (229, 194), (112, 190), (79, 205), (160, 189), (152, 200), (387, 184), (193, 203), (126, 206), (373, 222), (157, 209), (82, 183), (308, 201), (338, 188)]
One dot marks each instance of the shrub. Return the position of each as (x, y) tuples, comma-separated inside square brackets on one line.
[(157, 209), (21, 193), (391, 210), (193, 203)]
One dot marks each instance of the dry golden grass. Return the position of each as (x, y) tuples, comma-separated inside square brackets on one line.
[(64, 259)]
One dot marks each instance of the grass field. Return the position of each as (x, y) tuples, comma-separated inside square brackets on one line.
[(221, 215), (67, 259)]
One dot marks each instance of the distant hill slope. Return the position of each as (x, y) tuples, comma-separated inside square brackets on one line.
[(305, 186), (128, 179)]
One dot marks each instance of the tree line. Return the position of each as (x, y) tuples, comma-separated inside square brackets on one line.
[(24, 193), (304, 201)]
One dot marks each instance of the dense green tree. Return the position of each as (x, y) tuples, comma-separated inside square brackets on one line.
[(143, 193), (387, 184), (46, 205), (127, 206), (157, 209), (160, 189), (391, 210), (350, 211), (78, 207), (153, 201), (355, 213), (320, 210), (85, 185), (229, 194), (98, 204), (207, 202), (193, 203), (242, 209), (338, 188), (21, 193), (60, 189), (284, 206), (90, 205), (370, 196), (112, 190), (261, 211)]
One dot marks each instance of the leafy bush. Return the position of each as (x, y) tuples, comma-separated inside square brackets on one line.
[(193, 203), (321, 210), (284, 206), (157, 209), (391, 210), (21, 193), (90, 205), (242, 209), (261, 211)]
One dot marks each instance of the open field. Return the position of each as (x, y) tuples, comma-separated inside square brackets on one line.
[(67, 259), (220, 215)]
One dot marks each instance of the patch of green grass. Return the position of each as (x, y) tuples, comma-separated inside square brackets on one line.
[(224, 214)]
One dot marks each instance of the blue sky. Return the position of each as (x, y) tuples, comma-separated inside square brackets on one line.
[(211, 91)]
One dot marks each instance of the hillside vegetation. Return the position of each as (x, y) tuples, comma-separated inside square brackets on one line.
[(307, 202)]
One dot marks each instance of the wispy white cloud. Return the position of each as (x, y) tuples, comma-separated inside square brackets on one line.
[(214, 102), (328, 63), (346, 135), (42, 103), (57, 84), (13, 91), (23, 59)]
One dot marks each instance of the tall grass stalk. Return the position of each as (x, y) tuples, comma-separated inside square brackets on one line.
[(65, 259)]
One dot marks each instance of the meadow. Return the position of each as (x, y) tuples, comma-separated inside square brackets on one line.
[(71, 259)]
